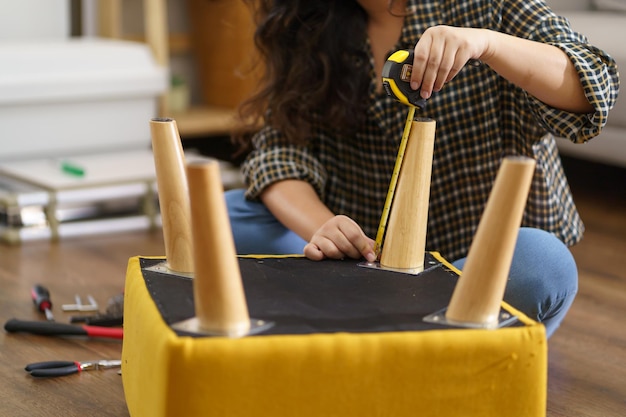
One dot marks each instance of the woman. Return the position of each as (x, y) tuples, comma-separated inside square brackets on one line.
[(319, 170)]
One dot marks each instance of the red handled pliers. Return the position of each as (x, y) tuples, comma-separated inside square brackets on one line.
[(62, 368)]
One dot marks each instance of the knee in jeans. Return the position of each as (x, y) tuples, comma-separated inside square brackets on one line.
[(541, 256)]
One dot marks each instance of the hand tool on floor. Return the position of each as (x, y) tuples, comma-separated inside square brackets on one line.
[(59, 329), (102, 320), (62, 368), (79, 306), (113, 316), (41, 299)]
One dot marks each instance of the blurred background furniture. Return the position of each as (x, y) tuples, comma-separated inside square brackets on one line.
[(215, 37), (74, 112), (63, 95)]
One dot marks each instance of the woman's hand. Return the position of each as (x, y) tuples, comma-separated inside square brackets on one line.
[(340, 237), (442, 52), (541, 69)]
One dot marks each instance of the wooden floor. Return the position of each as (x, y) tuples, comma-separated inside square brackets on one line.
[(587, 368), (587, 355)]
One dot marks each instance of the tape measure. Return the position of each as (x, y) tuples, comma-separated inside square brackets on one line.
[(382, 226), (397, 79)]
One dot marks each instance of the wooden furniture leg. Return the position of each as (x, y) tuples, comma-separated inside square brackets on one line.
[(405, 240), (169, 162), (479, 292), (219, 299)]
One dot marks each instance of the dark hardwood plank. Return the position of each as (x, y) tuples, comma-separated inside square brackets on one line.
[(95, 266)]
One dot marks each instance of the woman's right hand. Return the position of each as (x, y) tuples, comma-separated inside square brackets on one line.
[(339, 237)]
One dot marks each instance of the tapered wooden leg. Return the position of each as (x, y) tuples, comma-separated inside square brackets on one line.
[(405, 240), (478, 294), (169, 161), (219, 297)]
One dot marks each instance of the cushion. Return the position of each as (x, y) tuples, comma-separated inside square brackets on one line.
[(612, 5), (569, 4)]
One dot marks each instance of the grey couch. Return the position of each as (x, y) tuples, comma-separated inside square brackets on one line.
[(604, 23)]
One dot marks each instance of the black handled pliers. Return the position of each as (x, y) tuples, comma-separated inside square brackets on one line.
[(62, 368)]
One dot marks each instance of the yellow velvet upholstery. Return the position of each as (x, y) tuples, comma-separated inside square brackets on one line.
[(449, 372)]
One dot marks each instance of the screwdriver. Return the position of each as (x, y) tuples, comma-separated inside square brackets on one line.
[(41, 298)]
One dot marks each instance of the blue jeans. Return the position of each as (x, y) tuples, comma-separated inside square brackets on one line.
[(543, 280)]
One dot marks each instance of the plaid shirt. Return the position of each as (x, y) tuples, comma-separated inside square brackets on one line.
[(480, 119)]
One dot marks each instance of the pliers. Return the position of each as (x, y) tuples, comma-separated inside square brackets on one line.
[(62, 368)]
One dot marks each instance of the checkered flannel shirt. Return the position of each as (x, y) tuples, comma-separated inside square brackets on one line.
[(480, 119)]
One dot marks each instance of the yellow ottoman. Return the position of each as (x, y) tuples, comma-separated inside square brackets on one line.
[(345, 341)]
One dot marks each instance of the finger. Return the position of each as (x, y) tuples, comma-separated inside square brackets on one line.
[(312, 252), (360, 244), (446, 67), (347, 242), (328, 248), (420, 60), (431, 69), (368, 250), (460, 60)]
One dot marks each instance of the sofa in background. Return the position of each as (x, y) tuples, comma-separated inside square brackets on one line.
[(604, 23)]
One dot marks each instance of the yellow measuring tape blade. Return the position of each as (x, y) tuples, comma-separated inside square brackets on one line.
[(394, 181)]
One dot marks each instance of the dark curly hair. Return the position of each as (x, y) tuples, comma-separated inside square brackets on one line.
[(315, 67)]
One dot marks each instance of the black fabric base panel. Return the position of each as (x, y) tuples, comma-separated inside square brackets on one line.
[(300, 296)]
